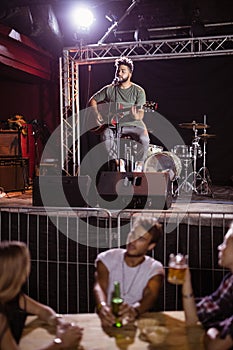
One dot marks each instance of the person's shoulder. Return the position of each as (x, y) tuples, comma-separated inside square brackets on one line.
[(138, 87), (111, 253), (111, 257), (108, 87), (228, 278), (153, 263)]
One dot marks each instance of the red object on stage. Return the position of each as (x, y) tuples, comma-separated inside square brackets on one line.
[(28, 149)]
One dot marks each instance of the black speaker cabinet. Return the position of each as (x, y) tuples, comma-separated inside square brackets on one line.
[(10, 143), (13, 174), (61, 191), (135, 190)]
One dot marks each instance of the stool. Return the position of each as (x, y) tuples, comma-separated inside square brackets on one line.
[(130, 151)]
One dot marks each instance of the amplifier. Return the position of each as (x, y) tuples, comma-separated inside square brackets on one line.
[(13, 174), (10, 143)]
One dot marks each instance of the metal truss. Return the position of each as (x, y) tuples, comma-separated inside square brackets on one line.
[(100, 53), (69, 110), (156, 49)]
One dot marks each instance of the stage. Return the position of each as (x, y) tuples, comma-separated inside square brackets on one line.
[(221, 201)]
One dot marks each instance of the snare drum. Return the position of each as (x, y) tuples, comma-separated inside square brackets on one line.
[(182, 151), (164, 161), (154, 149)]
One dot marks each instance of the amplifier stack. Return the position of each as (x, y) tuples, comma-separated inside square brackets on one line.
[(13, 168)]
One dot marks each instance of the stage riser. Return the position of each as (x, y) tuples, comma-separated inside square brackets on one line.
[(62, 274), (135, 190), (71, 186)]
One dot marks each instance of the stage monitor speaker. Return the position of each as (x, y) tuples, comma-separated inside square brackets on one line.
[(13, 174), (55, 196), (10, 143), (135, 190)]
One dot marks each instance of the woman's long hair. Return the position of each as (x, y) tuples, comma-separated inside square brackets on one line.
[(14, 268)]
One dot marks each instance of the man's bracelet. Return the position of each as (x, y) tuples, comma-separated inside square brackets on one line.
[(187, 296), (100, 305)]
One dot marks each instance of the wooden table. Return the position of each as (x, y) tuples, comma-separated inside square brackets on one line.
[(180, 337)]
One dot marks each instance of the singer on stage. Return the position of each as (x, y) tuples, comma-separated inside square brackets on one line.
[(125, 101)]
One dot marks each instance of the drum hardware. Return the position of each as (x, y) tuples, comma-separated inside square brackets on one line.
[(182, 151), (204, 188), (202, 176), (207, 136), (189, 182), (194, 125), (188, 185), (154, 149)]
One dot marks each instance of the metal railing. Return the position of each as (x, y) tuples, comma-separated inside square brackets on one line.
[(64, 244)]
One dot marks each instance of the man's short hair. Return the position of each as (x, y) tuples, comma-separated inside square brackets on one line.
[(151, 225), (125, 61)]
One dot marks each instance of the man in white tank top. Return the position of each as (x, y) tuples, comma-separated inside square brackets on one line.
[(140, 276)]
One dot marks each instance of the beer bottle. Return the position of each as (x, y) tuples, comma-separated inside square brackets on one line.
[(116, 302)]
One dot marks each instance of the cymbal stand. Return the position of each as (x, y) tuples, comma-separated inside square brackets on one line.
[(187, 186), (195, 143), (204, 188)]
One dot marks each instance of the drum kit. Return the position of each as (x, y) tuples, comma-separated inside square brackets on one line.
[(184, 157)]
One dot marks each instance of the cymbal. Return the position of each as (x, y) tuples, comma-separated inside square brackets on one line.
[(207, 136), (194, 125)]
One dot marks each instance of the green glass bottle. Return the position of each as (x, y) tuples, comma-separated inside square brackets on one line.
[(116, 302)]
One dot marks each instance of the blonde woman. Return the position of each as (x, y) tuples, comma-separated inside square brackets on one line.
[(15, 305)]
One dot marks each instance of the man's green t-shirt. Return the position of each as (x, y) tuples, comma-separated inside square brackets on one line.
[(116, 98)]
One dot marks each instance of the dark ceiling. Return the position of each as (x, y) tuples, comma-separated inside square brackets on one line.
[(47, 22)]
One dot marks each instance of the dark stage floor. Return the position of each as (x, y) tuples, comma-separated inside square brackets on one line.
[(221, 201)]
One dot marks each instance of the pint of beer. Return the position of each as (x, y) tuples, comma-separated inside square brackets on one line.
[(176, 268)]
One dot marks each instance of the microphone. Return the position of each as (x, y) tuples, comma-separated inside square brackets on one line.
[(116, 81)]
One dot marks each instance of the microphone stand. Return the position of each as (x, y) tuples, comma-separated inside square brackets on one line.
[(116, 83)]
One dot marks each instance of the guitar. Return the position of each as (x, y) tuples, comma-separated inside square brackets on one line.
[(149, 106)]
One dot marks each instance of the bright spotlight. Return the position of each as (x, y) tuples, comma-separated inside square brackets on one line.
[(82, 18)]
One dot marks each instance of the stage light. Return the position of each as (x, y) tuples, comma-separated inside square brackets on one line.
[(82, 18)]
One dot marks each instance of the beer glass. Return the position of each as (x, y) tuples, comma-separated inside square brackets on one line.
[(176, 268)]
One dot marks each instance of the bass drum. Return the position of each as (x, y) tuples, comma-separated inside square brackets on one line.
[(154, 149), (164, 161)]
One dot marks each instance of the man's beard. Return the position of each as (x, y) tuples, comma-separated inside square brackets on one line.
[(123, 80)]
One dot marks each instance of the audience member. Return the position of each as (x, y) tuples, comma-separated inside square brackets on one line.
[(15, 305), (140, 275)]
